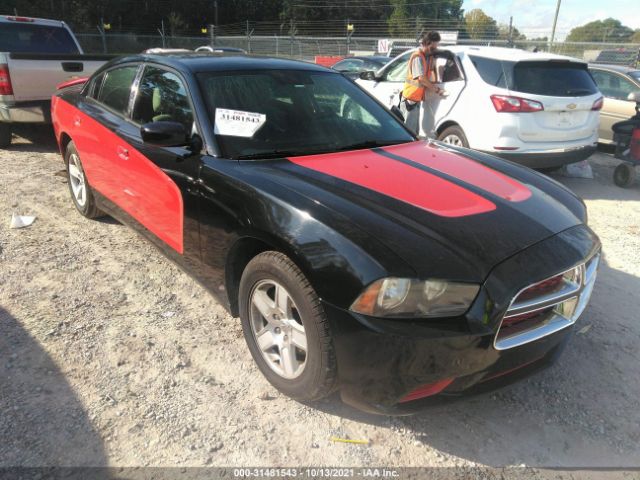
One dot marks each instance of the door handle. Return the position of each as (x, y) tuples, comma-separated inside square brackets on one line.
[(72, 67), (123, 153)]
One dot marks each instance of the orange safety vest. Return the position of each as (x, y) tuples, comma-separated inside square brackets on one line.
[(412, 89)]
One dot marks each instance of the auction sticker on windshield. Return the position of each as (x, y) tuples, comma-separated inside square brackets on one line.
[(236, 123)]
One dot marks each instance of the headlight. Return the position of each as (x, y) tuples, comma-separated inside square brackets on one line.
[(404, 297)]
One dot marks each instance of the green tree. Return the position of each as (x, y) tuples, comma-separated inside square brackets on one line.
[(503, 33), (636, 37), (480, 26), (609, 30)]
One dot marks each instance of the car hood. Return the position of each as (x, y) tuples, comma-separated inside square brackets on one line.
[(446, 213)]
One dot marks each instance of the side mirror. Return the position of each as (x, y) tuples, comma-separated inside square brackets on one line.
[(397, 112), (634, 97), (164, 134), (368, 75)]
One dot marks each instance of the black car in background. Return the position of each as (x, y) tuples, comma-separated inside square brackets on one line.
[(353, 66), (357, 257)]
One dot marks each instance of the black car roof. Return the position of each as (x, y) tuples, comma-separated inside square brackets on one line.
[(211, 62)]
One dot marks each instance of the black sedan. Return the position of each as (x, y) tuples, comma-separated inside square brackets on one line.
[(353, 66), (357, 257)]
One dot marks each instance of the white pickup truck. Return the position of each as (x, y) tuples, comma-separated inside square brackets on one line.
[(35, 56)]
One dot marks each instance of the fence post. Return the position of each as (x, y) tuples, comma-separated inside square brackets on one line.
[(162, 35), (103, 35), (277, 52)]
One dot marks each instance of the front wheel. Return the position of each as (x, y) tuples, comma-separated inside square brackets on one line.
[(624, 175), (286, 328), (5, 135), (454, 136)]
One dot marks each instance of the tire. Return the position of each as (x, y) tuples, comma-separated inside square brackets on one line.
[(454, 135), (5, 135), (624, 175), (307, 377), (85, 204)]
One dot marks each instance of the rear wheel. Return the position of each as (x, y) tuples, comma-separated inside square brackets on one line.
[(81, 192), (5, 135), (624, 175), (454, 136), (286, 328)]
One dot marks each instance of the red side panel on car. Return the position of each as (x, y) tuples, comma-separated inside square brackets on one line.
[(398, 180), (123, 175)]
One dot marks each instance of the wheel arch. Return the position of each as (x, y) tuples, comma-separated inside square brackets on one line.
[(63, 142), (446, 124), (243, 250)]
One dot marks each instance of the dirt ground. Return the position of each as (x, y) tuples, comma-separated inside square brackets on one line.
[(110, 355)]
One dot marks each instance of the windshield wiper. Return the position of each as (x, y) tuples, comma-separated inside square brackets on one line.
[(269, 154), (368, 144)]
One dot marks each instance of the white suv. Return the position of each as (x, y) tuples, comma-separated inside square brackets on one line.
[(537, 109)]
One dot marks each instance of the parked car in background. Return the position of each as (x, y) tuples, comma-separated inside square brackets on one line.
[(615, 83), (357, 257), (537, 109), (352, 66), (35, 56), (218, 49)]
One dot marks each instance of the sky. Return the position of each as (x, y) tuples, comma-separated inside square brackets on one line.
[(535, 18)]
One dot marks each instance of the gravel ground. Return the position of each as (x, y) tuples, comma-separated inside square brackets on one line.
[(110, 355)]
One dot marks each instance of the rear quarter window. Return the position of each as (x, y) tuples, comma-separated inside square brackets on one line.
[(32, 38), (494, 72)]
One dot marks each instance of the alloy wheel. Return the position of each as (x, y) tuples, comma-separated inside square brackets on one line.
[(453, 140), (77, 180), (277, 329)]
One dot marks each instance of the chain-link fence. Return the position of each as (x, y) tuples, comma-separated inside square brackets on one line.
[(307, 47)]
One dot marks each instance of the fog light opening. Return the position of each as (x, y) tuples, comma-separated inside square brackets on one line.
[(427, 390)]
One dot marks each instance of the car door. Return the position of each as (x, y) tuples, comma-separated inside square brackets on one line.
[(100, 114), (615, 87), (387, 87), (163, 180), (450, 78)]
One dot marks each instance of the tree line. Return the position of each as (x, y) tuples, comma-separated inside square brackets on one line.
[(286, 17)]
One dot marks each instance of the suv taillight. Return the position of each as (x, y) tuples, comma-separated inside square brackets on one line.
[(507, 103), (5, 80), (597, 105)]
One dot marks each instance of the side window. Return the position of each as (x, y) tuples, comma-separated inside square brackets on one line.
[(491, 71), (612, 85), (116, 88), (162, 97), (94, 88), (447, 69), (397, 72)]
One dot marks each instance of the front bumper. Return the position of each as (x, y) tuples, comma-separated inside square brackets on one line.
[(26, 112), (548, 158), (380, 361)]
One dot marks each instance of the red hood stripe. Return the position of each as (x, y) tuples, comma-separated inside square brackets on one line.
[(398, 180), (462, 168)]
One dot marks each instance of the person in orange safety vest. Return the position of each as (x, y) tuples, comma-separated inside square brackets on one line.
[(420, 83)]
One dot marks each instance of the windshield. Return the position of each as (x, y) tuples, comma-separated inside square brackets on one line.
[(30, 38), (267, 114)]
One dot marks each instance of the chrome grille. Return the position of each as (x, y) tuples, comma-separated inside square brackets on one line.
[(557, 309)]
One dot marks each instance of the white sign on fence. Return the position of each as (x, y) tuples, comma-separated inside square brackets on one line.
[(384, 45)]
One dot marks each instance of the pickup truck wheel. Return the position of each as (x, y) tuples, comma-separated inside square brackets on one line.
[(286, 328), (79, 188), (5, 135), (454, 136)]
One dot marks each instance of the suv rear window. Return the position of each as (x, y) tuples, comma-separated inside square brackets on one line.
[(555, 79), (30, 38), (550, 78)]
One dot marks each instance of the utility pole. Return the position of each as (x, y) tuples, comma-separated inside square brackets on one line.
[(510, 38), (555, 22)]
